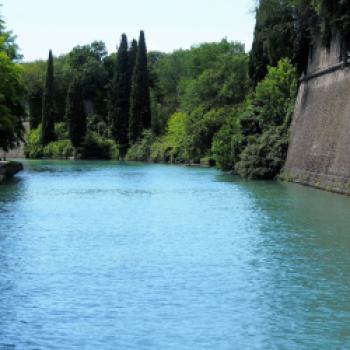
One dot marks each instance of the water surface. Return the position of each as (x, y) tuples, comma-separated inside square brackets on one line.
[(98, 255)]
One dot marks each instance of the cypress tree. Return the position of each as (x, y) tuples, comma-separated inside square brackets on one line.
[(75, 113), (132, 57), (120, 97), (48, 108), (140, 109)]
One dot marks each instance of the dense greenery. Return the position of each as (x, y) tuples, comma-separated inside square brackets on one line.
[(213, 103), (140, 108), (49, 109), (75, 113), (119, 106), (12, 91)]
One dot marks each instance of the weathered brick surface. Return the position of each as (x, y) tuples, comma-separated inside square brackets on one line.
[(319, 151)]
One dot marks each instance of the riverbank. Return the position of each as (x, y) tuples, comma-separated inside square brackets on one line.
[(9, 169)]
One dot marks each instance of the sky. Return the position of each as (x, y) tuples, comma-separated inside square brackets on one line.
[(60, 25)]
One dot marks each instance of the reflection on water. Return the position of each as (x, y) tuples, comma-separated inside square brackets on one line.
[(98, 255)]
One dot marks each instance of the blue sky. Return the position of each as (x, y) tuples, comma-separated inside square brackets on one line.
[(62, 24)]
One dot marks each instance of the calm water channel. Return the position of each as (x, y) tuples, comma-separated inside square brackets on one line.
[(98, 255)]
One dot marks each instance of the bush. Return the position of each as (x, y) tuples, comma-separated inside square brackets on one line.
[(33, 147), (208, 161), (59, 149), (141, 150), (254, 143), (201, 128), (61, 131), (97, 147), (228, 142), (159, 151), (264, 158)]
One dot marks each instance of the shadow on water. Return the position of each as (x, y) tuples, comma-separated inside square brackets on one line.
[(11, 189)]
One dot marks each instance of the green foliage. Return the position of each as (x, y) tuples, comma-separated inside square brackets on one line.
[(140, 107), (61, 131), (62, 149), (93, 147), (81, 55), (141, 150), (98, 123), (207, 161), (8, 42), (49, 108), (172, 147), (224, 84), (275, 94), (265, 124), (282, 30), (119, 106), (201, 127), (33, 147), (34, 75), (265, 155), (97, 147), (335, 17), (90, 63), (253, 142), (12, 91), (75, 113), (132, 57), (228, 142), (190, 106)]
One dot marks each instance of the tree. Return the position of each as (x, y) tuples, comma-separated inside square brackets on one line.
[(12, 91), (140, 109), (266, 122), (49, 109), (12, 111), (34, 74), (8, 42), (274, 37), (132, 57), (120, 97), (75, 113)]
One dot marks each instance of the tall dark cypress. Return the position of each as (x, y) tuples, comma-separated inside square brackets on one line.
[(119, 105), (140, 109), (132, 57), (75, 113), (48, 109)]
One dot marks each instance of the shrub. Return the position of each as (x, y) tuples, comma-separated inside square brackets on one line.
[(61, 131), (208, 161), (159, 151), (141, 150), (33, 147), (59, 149), (97, 147), (228, 142), (265, 155)]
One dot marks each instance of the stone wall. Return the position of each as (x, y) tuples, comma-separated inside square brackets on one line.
[(319, 150)]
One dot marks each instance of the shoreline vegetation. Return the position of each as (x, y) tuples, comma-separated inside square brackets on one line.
[(214, 104)]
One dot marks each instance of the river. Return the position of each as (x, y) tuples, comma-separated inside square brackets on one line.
[(106, 255)]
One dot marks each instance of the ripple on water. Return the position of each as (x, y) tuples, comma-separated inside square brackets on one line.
[(106, 255)]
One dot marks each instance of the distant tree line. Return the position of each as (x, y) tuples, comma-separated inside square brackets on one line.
[(116, 87), (212, 104)]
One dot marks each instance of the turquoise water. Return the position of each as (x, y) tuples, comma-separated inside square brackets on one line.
[(98, 255)]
